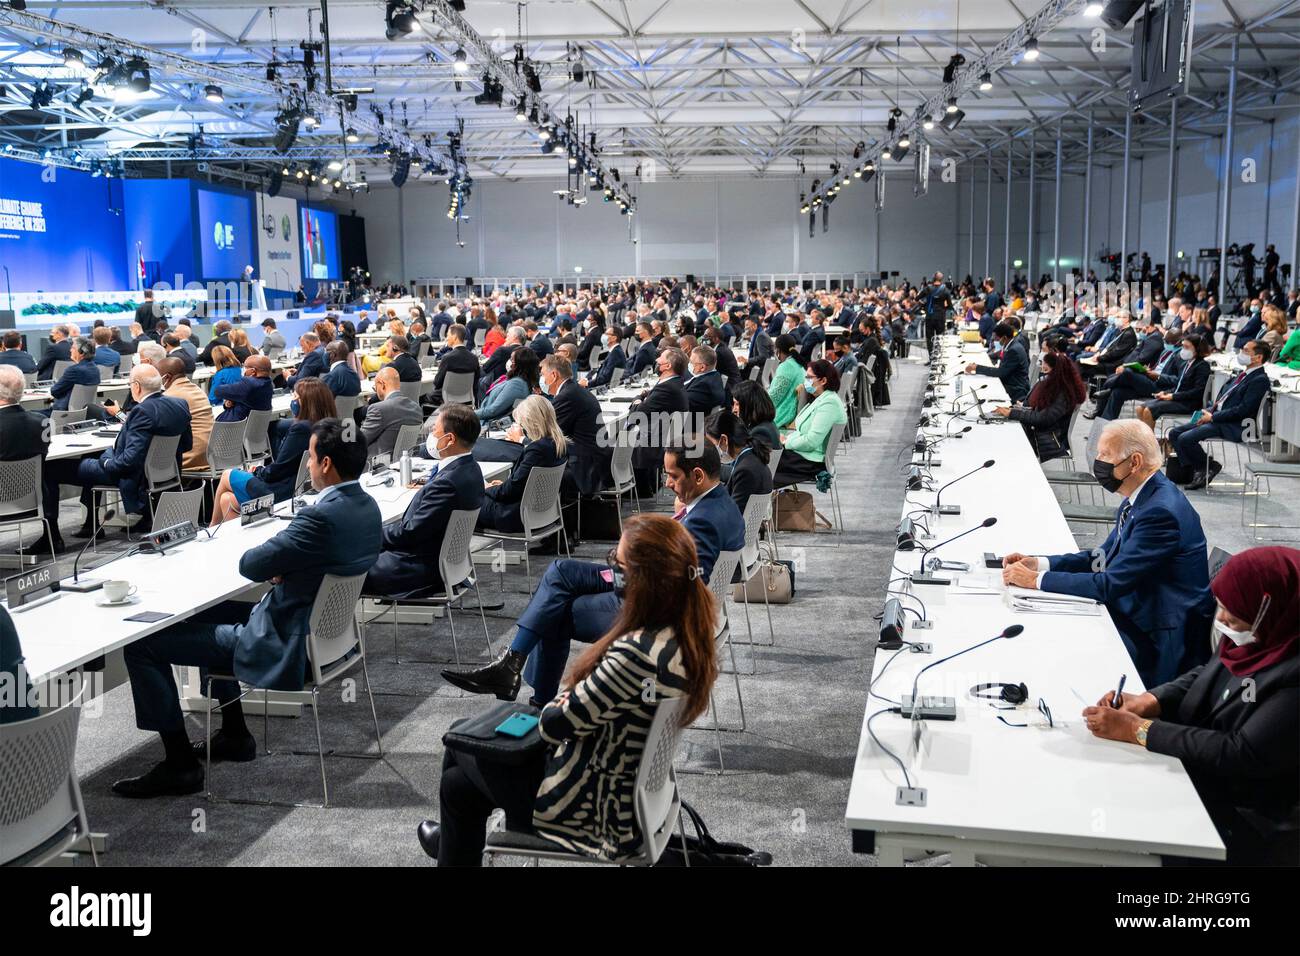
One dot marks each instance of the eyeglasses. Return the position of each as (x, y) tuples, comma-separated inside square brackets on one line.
[(1042, 709)]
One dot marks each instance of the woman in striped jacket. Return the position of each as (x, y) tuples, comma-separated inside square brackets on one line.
[(578, 792)]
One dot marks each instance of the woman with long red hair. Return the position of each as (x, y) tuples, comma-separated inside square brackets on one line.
[(1234, 722), (1049, 407), (578, 791)]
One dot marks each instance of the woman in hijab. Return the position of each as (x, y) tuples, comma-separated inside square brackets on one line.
[(1235, 721)]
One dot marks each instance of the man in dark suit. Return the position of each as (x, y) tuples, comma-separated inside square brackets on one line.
[(390, 410), (340, 379), (154, 415), (1151, 572), (1237, 403), (407, 565), (23, 436), (263, 645), (815, 336), (400, 358), (644, 356), (475, 324), (1012, 369), (727, 365), (147, 313), (1110, 353), (83, 371), (221, 336), (60, 350), (706, 390), (252, 392), (578, 414), (538, 340), (760, 346), (175, 349), (614, 358), (313, 363), (578, 600), (11, 353), (655, 415), (458, 359)]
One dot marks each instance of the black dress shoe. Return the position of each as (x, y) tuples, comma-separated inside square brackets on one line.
[(501, 677), (161, 781), (43, 546), (1214, 469), (429, 834), (85, 531), (226, 748), (1198, 482)]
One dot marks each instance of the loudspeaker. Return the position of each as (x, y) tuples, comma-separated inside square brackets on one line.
[(690, 278), (277, 180), (286, 134), (1118, 13), (401, 169), (6, 318)]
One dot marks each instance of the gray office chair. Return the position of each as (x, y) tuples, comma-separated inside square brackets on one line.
[(257, 438), (724, 569), (41, 812), (458, 389), (346, 405), (225, 451), (59, 419), (408, 437), (105, 372), (757, 510), (21, 501), (124, 365), (59, 368), (175, 507), (412, 390), (540, 512), (624, 479), (82, 396)]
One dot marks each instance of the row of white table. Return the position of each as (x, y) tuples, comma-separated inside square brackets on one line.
[(996, 793)]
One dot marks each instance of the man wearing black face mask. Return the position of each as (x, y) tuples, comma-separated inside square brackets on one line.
[(937, 303), (1012, 368), (1151, 572)]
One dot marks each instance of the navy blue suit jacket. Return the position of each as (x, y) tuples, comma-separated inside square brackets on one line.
[(58, 352), (717, 525), (408, 564), (313, 365), (643, 359), (25, 363), (124, 462), (1154, 580), (501, 503), (339, 535), (815, 336), (85, 372), (342, 381), (245, 394), (706, 392), (614, 358), (1249, 330), (1242, 403)]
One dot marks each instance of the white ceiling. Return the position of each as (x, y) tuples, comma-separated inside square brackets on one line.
[(701, 87)]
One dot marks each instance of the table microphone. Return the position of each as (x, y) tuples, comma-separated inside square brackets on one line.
[(920, 577), (940, 441), (973, 393), (90, 584), (939, 509), (945, 708)]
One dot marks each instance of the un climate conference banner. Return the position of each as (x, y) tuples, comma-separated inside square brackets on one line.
[(279, 259)]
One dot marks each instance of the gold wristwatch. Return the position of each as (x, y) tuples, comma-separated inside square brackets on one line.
[(1141, 735)]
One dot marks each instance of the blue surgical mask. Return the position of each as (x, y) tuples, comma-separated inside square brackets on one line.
[(809, 384)]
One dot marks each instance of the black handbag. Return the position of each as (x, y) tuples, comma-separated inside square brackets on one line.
[(1178, 471), (703, 850), (477, 736)]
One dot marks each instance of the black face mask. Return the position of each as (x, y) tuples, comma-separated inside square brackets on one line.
[(1104, 472)]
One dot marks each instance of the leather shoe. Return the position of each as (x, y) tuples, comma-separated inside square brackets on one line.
[(85, 531), (1213, 473), (430, 835), (1198, 482), (501, 677), (226, 748), (42, 546), (161, 781)]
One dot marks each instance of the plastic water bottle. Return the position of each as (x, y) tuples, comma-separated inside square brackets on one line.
[(959, 386), (406, 467)]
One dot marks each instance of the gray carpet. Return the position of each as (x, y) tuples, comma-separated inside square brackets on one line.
[(786, 779)]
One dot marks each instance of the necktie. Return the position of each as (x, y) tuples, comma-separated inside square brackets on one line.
[(680, 515), (1227, 391), (1124, 510)]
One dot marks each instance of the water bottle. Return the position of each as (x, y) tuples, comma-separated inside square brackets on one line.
[(406, 467), (959, 378)]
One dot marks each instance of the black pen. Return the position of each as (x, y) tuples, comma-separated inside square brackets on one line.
[(1119, 692)]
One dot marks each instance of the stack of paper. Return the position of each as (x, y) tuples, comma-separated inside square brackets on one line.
[(1041, 602)]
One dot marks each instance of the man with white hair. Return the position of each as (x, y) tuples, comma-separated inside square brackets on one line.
[(23, 436), (1151, 572), (154, 416)]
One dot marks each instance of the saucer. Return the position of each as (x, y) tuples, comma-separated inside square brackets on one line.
[(125, 602)]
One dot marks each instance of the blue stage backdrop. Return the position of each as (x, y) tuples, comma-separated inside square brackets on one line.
[(159, 231), (225, 233), (320, 244), (60, 230)]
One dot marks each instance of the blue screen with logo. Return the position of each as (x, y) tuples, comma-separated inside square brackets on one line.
[(225, 233), (320, 244)]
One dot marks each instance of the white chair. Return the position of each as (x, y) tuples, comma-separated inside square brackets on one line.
[(458, 389), (832, 444), (175, 507), (412, 390), (257, 439), (82, 396), (225, 451), (346, 405), (161, 473), (539, 510), (656, 804), (769, 369), (455, 567), (105, 372), (480, 337), (724, 569), (757, 510), (125, 364), (21, 501), (620, 469), (1253, 437), (41, 812), (59, 419), (59, 368), (615, 377), (408, 438), (335, 645)]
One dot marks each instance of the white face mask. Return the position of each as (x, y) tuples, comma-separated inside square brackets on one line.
[(1240, 638), (1188, 355), (1243, 358), (431, 446)]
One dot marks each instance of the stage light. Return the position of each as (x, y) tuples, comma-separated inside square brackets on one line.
[(955, 62), (986, 81), (85, 95), (73, 60), (299, 174), (904, 141), (1031, 49), (310, 121), (338, 184), (351, 136), (952, 105), (521, 110), (548, 147), (573, 161), (857, 173), (138, 79), (42, 95), (887, 153), (286, 132), (1093, 9), (543, 134), (953, 120), (212, 93), (928, 123), (459, 61), (335, 165), (900, 152)]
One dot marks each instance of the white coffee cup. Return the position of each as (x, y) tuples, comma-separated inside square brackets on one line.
[(118, 591)]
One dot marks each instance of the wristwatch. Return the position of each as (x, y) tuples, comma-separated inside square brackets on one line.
[(1141, 735)]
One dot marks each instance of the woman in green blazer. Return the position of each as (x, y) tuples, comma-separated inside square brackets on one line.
[(805, 447), (784, 390), (1290, 354)]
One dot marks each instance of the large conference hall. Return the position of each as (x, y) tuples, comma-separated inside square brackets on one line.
[(760, 433)]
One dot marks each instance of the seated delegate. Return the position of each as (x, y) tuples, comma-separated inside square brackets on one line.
[(744, 462), (753, 406), (252, 391), (1234, 721), (388, 412), (315, 404), (784, 387), (263, 645), (1184, 393), (1151, 571), (1012, 367), (522, 370), (804, 456), (578, 600), (544, 447), (1047, 412), (407, 565), (578, 790)]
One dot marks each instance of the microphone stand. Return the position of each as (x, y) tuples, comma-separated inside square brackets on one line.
[(920, 577), (90, 584)]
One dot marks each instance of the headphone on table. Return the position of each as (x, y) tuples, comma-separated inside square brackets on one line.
[(1014, 694)]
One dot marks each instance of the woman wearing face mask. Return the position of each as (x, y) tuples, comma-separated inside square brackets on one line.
[(1235, 721), (522, 371), (545, 447), (1047, 411), (744, 463), (1184, 392), (784, 387), (805, 447)]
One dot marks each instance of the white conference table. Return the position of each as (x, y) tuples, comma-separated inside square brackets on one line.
[(1286, 398), (1008, 794), (67, 632)]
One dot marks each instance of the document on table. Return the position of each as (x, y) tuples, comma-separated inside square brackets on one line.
[(1041, 602)]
